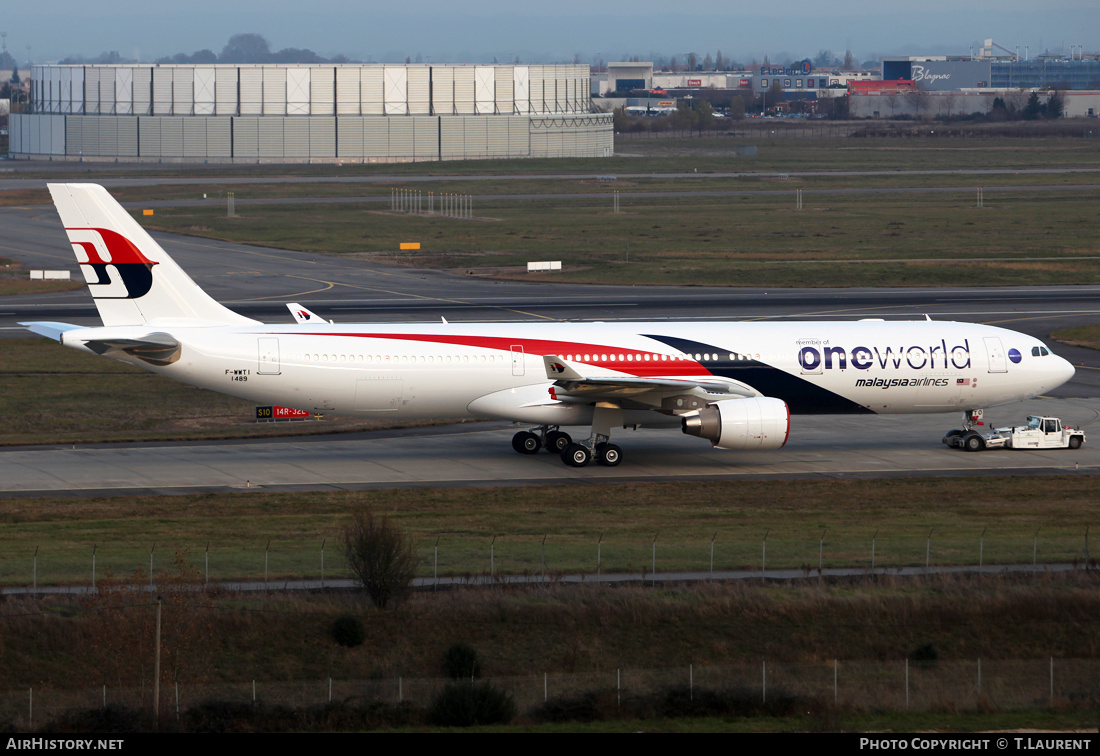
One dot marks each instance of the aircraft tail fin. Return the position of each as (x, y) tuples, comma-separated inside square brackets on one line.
[(130, 277)]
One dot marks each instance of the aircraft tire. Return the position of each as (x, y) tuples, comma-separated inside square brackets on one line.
[(576, 455), (951, 439), (556, 441), (608, 455), (526, 442)]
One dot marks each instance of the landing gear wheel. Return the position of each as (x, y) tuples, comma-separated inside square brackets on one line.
[(556, 441), (608, 455), (576, 455), (973, 443), (526, 442)]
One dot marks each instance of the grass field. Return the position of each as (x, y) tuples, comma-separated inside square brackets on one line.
[(1037, 239), (1019, 236), (905, 521)]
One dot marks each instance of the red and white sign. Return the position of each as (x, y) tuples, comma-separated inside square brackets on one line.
[(285, 412), (695, 82)]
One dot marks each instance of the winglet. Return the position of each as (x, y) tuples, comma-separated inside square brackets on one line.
[(302, 316), (558, 369), (49, 329)]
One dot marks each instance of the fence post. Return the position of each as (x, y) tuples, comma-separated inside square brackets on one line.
[(599, 555), (712, 554), (654, 557)]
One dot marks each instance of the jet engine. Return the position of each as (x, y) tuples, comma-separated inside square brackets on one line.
[(750, 423)]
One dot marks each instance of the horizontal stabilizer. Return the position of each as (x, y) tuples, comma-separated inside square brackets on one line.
[(155, 348), (557, 368), (49, 329)]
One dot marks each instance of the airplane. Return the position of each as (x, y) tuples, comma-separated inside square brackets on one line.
[(734, 384)]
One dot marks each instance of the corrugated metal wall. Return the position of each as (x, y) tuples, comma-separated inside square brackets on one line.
[(274, 90), (322, 94), (205, 88), (388, 113), (310, 90)]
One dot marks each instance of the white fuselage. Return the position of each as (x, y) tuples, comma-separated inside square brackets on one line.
[(497, 370)]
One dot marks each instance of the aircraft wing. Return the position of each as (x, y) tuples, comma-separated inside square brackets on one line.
[(571, 382)]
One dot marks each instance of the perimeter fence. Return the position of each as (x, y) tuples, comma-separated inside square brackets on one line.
[(447, 559), (759, 687)]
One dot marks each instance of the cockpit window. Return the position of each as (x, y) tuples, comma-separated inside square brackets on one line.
[(1035, 351), (1043, 351), (1039, 351)]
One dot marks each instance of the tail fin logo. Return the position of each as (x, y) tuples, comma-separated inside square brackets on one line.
[(113, 267)]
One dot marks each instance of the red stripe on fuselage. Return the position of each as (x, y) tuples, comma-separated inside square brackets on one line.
[(642, 363)]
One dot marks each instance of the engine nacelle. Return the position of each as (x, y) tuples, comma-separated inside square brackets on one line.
[(750, 423)]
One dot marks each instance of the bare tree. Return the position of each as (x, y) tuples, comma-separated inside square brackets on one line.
[(381, 556)]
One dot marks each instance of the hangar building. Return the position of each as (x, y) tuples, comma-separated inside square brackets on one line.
[(308, 113)]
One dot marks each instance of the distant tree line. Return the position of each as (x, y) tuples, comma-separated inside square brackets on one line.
[(1054, 107), (718, 62), (241, 48)]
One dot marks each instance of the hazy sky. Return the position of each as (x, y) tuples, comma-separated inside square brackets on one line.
[(458, 31)]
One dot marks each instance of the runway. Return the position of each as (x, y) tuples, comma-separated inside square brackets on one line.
[(258, 281)]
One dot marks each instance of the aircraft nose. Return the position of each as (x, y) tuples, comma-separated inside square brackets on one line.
[(1064, 370)]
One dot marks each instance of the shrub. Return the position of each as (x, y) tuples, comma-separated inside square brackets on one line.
[(460, 662), (464, 704), (113, 718), (924, 657), (381, 556), (348, 631)]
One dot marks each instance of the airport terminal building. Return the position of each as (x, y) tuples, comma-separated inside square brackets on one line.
[(324, 113)]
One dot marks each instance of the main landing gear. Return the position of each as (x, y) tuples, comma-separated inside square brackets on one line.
[(598, 446), (532, 441)]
